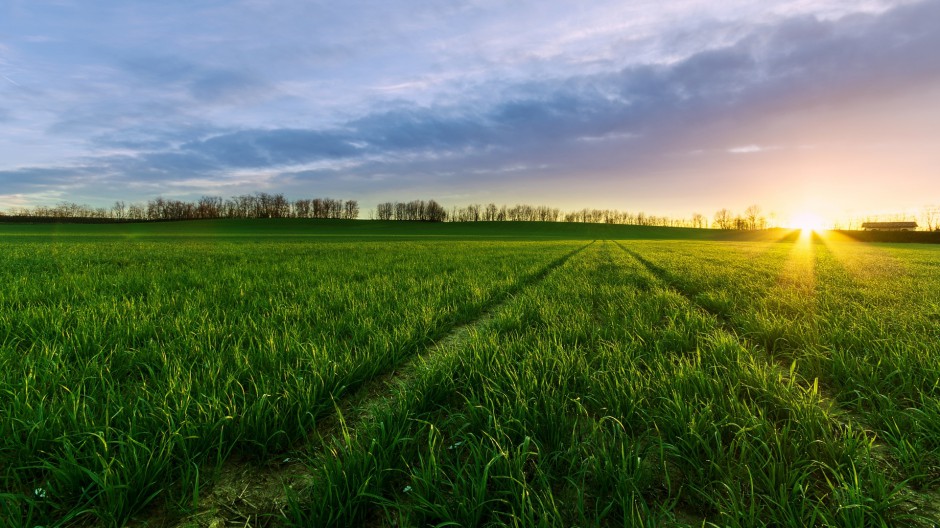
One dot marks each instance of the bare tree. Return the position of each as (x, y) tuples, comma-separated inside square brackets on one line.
[(351, 210), (209, 207), (753, 217), (723, 219), (931, 217), (384, 211)]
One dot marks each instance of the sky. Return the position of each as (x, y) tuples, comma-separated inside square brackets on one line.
[(669, 108)]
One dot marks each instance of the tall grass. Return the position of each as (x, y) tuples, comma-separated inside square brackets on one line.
[(633, 384), (862, 319), (126, 367), (602, 397)]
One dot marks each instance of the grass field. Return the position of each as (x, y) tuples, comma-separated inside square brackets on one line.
[(293, 373)]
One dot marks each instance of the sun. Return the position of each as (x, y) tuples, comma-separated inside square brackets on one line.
[(807, 221)]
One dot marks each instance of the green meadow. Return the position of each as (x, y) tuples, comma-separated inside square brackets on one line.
[(352, 373)]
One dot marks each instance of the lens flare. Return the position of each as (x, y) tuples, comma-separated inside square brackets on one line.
[(807, 221)]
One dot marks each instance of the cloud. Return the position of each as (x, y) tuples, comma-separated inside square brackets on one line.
[(262, 148), (162, 70), (11, 81), (222, 85), (548, 125), (422, 128), (205, 84), (32, 179), (751, 149)]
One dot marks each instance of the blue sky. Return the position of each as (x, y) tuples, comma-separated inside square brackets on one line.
[(665, 107)]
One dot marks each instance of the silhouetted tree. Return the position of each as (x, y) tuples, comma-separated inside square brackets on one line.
[(351, 210), (384, 211), (931, 218), (754, 219), (723, 219)]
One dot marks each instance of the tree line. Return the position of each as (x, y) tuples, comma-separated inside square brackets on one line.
[(494, 213), (265, 205), (415, 210), (258, 205), (431, 211), (753, 218)]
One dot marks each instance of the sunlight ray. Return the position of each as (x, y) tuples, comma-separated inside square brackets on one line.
[(864, 262), (798, 273)]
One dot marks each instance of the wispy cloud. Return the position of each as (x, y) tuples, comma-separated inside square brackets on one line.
[(749, 149), (11, 81)]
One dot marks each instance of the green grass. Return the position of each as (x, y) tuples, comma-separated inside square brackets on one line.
[(863, 320), (604, 397), (374, 229), (125, 364), (630, 381)]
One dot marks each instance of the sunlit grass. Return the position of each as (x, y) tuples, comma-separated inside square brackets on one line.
[(865, 329), (603, 396), (639, 383)]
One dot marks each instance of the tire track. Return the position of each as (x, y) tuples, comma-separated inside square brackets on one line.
[(724, 323), (845, 418), (247, 495), (459, 334)]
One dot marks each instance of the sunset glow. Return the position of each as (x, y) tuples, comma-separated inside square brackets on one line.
[(671, 109), (807, 221)]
